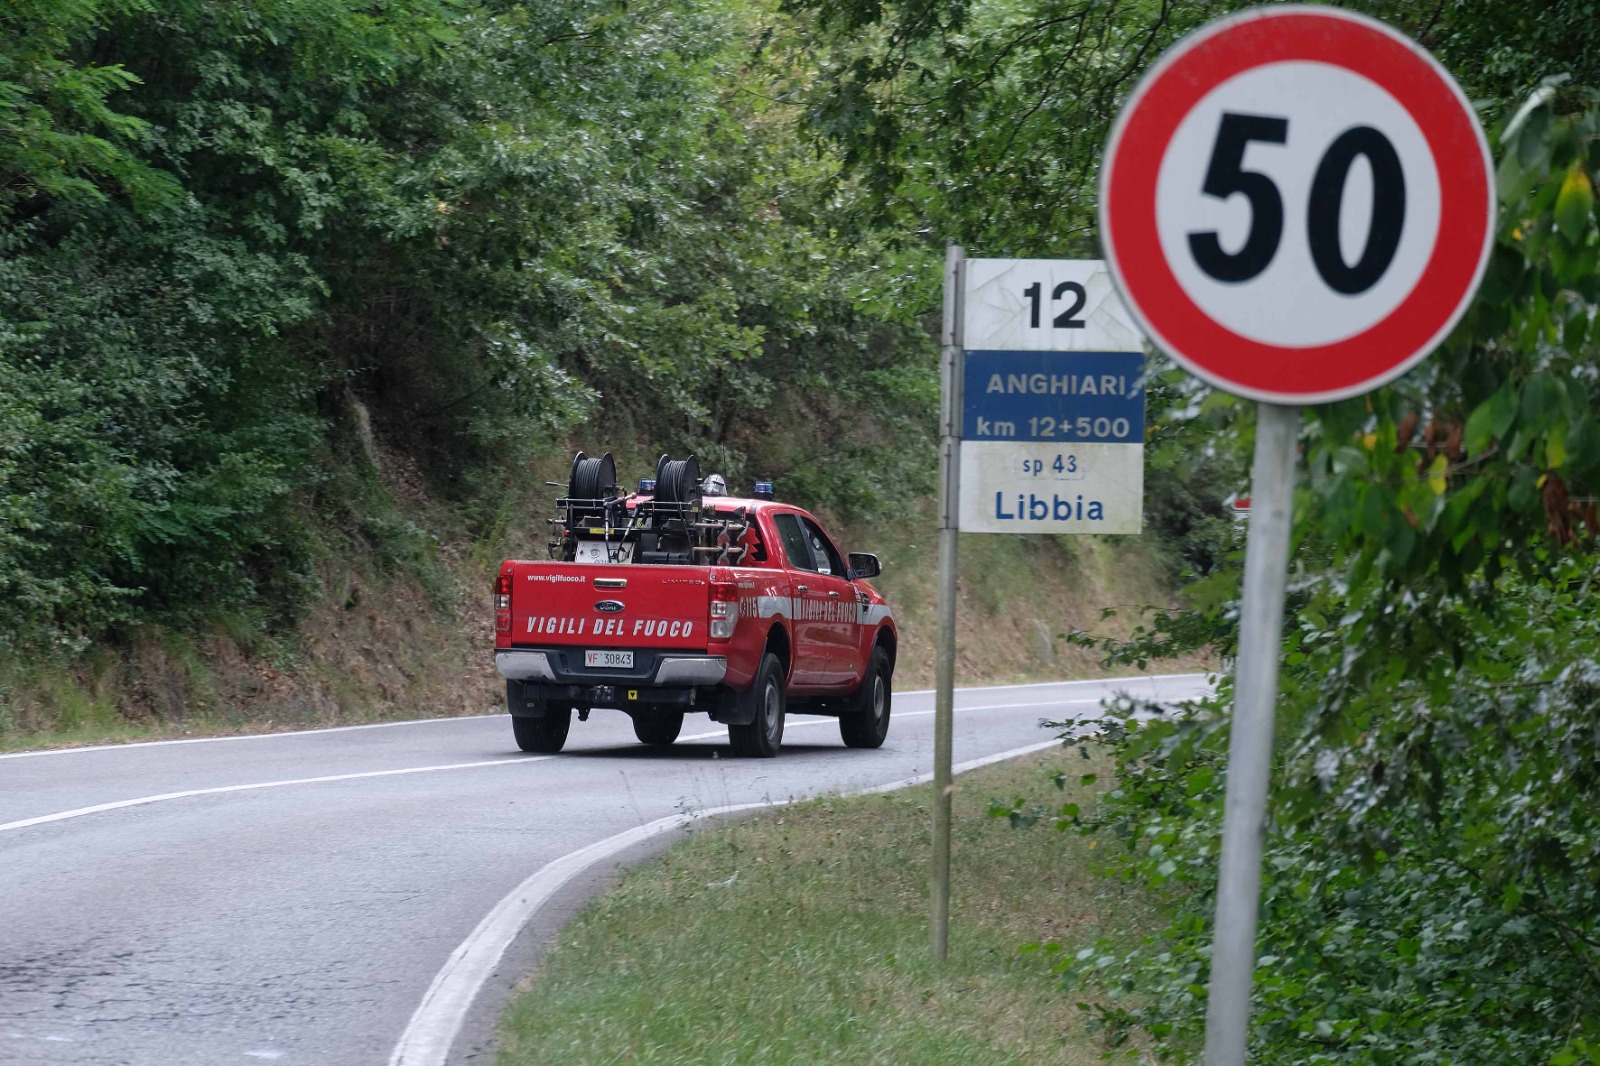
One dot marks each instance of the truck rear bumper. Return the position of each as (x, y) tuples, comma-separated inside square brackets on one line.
[(692, 670), (667, 669), (523, 666)]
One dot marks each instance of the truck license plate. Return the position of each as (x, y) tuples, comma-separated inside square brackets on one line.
[(613, 659)]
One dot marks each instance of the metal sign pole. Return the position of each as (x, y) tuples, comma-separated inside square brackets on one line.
[(1244, 813), (949, 505)]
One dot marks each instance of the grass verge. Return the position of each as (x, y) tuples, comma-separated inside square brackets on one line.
[(801, 936)]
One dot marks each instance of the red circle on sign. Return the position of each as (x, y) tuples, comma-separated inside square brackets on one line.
[(1179, 81)]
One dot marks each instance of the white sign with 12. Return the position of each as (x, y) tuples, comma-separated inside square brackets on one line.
[(1053, 400)]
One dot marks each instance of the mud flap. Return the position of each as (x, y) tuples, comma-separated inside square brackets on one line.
[(524, 700), (735, 708)]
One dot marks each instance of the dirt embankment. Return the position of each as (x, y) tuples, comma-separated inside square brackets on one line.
[(385, 642)]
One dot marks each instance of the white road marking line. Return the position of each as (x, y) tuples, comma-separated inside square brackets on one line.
[(1079, 681), (116, 805), (438, 1019), (141, 801), (480, 717)]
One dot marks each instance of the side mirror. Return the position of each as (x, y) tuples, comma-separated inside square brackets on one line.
[(864, 564)]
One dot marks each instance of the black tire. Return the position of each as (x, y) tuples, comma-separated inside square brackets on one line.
[(546, 734), (657, 727), (867, 723), (762, 738)]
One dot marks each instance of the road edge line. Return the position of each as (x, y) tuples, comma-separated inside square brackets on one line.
[(1069, 681), (245, 736), (438, 1019)]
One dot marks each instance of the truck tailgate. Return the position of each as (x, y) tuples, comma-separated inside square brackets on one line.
[(610, 606)]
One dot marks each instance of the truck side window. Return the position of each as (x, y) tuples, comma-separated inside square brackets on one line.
[(827, 556), (794, 541)]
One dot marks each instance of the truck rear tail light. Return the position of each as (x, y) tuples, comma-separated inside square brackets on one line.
[(724, 606), (502, 603)]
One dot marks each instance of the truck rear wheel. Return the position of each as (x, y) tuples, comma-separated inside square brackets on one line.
[(547, 734), (867, 723), (764, 735), (657, 727)]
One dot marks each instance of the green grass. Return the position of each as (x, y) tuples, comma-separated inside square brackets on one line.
[(801, 936)]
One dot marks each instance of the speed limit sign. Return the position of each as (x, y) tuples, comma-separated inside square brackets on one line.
[(1297, 204)]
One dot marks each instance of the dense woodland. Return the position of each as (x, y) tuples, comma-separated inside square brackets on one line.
[(241, 243), (247, 249)]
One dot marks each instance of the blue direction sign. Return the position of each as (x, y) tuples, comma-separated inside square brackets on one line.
[(1053, 397)]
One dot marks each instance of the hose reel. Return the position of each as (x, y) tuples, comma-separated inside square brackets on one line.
[(667, 524), (592, 479), (678, 481), (591, 501)]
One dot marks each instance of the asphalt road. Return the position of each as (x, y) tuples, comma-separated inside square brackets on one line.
[(290, 898)]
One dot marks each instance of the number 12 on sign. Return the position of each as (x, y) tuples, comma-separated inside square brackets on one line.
[(1066, 319), (1045, 305)]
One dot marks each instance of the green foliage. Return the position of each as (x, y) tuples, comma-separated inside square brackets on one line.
[(60, 138), (986, 120), (1430, 876), (1456, 473), (1429, 886), (137, 473), (237, 240), (1187, 476)]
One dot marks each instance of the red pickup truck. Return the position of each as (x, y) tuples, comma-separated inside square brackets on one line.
[(740, 608)]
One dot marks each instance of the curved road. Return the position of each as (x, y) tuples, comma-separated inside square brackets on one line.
[(291, 897)]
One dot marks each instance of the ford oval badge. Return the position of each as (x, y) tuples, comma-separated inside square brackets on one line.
[(609, 606)]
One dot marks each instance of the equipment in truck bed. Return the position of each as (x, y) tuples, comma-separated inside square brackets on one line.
[(597, 524)]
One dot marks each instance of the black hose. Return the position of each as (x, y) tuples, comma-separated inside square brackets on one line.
[(578, 463), (678, 480), (592, 479)]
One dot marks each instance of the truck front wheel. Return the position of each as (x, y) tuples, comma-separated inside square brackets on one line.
[(867, 723), (764, 735)]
